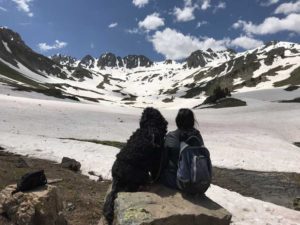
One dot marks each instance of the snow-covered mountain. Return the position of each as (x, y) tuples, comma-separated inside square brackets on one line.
[(136, 80)]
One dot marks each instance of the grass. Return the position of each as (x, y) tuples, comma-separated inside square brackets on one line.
[(224, 103), (14, 75), (291, 88), (296, 100), (105, 142), (294, 79)]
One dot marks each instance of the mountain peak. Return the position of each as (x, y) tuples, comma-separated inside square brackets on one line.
[(64, 60)]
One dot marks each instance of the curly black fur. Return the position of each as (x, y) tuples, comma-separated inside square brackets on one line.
[(140, 157)]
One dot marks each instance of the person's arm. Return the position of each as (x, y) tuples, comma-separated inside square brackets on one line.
[(172, 146)]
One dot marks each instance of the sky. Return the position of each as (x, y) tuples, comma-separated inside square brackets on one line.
[(158, 29)]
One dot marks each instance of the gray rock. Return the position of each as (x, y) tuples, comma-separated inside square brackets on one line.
[(133, 61), (296, 204), (41, 206), (87, 62), (70, 164), (163, 206)]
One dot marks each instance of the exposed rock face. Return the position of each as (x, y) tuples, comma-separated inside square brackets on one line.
[(109, 60), (168, 61), (64, 60), (70, 164), (133, 61), (81, 73), (87, 62), (296, 203), (200, 58), (197, 58), (41, 206), (163, 206), (130, 61)]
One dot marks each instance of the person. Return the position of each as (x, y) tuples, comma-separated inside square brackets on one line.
[(185, 121)]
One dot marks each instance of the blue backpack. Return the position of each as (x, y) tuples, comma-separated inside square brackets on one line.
[(194, 172)]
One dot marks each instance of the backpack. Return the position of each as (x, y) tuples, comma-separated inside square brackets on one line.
[(194, 173), (30, 181)]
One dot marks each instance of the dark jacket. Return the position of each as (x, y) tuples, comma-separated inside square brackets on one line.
[(172, 146)]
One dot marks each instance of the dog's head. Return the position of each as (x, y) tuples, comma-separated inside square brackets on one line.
[(152, 118)]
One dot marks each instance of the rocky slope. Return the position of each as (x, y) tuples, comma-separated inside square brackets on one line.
[(138, 81)]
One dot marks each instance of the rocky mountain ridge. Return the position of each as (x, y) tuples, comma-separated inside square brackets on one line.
[(138, 81)]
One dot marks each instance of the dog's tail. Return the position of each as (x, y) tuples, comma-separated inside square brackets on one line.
[(108, 207)]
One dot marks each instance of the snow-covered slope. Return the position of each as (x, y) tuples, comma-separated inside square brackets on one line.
[(137, 81), (256, 137)]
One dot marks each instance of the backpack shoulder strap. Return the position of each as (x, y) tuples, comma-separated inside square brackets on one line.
[(197, 139)]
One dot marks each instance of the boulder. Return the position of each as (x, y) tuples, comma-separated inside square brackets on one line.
[(70, 164), (163, 206), (40, 206), (296, 204)]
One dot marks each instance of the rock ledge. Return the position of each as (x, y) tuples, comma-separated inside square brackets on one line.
[(163, 206)]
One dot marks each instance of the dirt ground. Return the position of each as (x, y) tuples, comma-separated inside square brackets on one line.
[(83, 198)]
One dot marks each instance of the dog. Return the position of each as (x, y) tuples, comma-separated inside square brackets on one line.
[(139, 162)]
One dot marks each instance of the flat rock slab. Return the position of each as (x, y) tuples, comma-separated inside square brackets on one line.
[(41, 206), (163, 206)]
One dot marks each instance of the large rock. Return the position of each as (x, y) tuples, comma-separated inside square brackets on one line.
[(163, 206), (70, 164), (40, 206)]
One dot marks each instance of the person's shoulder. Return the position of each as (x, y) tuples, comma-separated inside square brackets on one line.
[(174, 133)]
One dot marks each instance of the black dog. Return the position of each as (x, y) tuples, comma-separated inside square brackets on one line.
[(140, 157)]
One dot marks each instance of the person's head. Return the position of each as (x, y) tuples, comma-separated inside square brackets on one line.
[(185, 119)]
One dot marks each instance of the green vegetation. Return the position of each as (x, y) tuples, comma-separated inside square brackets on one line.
[(14, 75), (291, 88), (130, 98), (168, 100), (108, 143), (227, 103), (295, 100), (294, 79)]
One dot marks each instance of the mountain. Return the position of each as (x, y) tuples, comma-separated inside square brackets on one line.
[(64, 60), (16, 55), (138, 81), (201, 58)]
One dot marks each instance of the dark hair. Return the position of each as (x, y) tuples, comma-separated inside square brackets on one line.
[(185, 119)]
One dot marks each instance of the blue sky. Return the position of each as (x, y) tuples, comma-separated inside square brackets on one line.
[(158, 29)]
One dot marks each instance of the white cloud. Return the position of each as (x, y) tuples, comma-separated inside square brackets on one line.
[(221, 5), (186, 13), (112, 25), (288, 8), (271, 25), (201, 23), (23, 5), (57, 45), (152, 22), (140, 3), (3, 9), (205, 4), (133, 31), (92, 45), (246, 42), (269, 2), (175, 45)]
